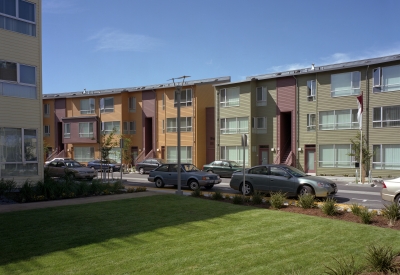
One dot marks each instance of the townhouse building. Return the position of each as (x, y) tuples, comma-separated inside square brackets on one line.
[(21, 138), (306, 118), (76, 123)]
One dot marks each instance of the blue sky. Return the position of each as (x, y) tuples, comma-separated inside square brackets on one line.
[(95, 44)]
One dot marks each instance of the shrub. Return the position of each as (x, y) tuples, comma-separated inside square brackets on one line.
[(356, 209), (238, 199), (306, 201), (46, 189), (197, 193), (257, 197), (27, 192), (391, 212), (277, 199), (381, 258), (343, 267), (82, 189), (6, 186), (329, 207), (366, 215), (217, 195)]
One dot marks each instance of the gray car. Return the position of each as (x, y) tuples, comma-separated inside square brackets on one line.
[(191, 176), (284, 178), (391, 190), (74, 169)]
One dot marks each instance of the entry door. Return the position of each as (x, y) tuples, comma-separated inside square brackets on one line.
[(263, 153), (310, 160), (134, 153)]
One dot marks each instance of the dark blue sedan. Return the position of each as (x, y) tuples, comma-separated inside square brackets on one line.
[(104, 165)]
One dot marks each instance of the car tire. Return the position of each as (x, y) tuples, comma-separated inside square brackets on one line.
[(208, 187), (194, 185), (141, 170), (304, 190), (397, 200), (248, 189), (159, 183)]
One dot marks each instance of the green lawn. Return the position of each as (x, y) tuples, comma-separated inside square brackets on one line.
[(169, 234)]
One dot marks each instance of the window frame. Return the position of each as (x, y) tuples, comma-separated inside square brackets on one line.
[(224, 101), (311, 127), (91, 102), (129, 127), (107, 132), (132, 104), (224, 122), (186, 102), (311, 90), (46, 130), (379, 157), (17, 17), (46, 110), (8, 86), (335, 162), (67, 130), (78, 153), (103, 105), (90, 128), (239, 154), (263, 100), (378, 80), (185, 150), (385, 123), (353, 123), (353, 89), (184, 125)]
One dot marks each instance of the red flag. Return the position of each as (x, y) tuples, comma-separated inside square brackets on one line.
[(360, 109)]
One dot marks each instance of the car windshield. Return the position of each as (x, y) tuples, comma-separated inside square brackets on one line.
[(190, 168), (72, 164), (234, 164), (295, 172)]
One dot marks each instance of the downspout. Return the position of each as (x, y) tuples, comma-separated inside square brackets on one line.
[(217, 126), (297, 122), (367, 115)]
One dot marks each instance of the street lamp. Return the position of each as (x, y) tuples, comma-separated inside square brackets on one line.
[(178, 87)]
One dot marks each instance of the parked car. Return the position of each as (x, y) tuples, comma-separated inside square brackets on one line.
[(224, 168), (105, 165), (47, 162), (191, 176), (59, 168), (391, 190), (284, 178), (148, 164)]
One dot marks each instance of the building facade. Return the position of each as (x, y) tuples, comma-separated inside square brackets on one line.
[(21, 132)]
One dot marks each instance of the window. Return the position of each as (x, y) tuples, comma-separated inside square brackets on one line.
[(386, 156), (109, 127), (261, 95), (47, 130), (186, 98), (186, 154), (87, 106), (18, 16), (388, 116), (83, 154), (67, 130), (46, 110), (86, 129), (132, 104), (335, 155), (311, 87), (186, 124), (115, 154), (311, 122), (259, 125), (338, 120), (235, 125), (387, 79), (235, 153), (129, 127), (107, 105), (229, 97), (17, 80), (163, 126), (19, 154), (345, 84), (163, 101)]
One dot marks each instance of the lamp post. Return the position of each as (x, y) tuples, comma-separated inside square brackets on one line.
[(178, 125)]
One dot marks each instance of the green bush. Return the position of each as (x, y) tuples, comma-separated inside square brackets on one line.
[(217, 195), (343, 268), (381, 258), (277, 199), (391, 212), (6, 186), (27, 192), (82, 189), (257, 197), (238, 199), (366, 215), (196, 193), (356, 209), (306, 201), (329, 207)]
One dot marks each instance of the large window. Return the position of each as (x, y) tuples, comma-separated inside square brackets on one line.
[(235, 153), (186, 154), (107, 105), (17, 80), (261, 96), (109, 127), (186, 124), (115, 154), (18, 152), (83, 154), (335, 155), (86, 130), (386, 156), (67, 130), (18, 16), (387, 79), (186, 98), (311, 88), (132, 104), (388, 116), (345, 84), (235, 125), (229, 97), (338, 120), (311, 122), (259, 125), (87, 106), (129, 127)]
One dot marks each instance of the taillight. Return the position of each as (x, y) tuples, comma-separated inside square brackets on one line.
[(383, 185)]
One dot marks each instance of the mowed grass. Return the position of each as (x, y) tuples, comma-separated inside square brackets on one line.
[(169, 234)]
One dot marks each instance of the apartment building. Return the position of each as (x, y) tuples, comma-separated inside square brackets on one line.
[(306, 118), (21, 132), (75, 123)]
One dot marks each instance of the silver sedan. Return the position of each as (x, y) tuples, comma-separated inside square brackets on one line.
[(391, 190)]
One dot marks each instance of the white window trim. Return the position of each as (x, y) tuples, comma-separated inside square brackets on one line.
[(259, 130), (188, 102), (183, 128), (311, 93), (103, 108), (382, 122), (377, 80), (89, 134), (381, 165), (67, 134), (311, 127), (353, 124), (354, 90), (263, 91), (90, 110), (239, 160), (351, 163), (223, 102), (229, 131)]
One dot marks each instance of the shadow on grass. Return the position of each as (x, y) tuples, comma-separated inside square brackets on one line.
[(27, 234)]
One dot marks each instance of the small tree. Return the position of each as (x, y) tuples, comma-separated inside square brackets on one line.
[(108, 141), (126, 154), (366, 153)]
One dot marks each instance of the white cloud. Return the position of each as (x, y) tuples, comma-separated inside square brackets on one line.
[(115, 40), (60, 6), (288, 67)]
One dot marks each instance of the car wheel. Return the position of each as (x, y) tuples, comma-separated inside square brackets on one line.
[(397, 200), (208, 187), (141, 170), (159, 183), (194, 185), (210, 171), (248, 189), (304, 190)]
